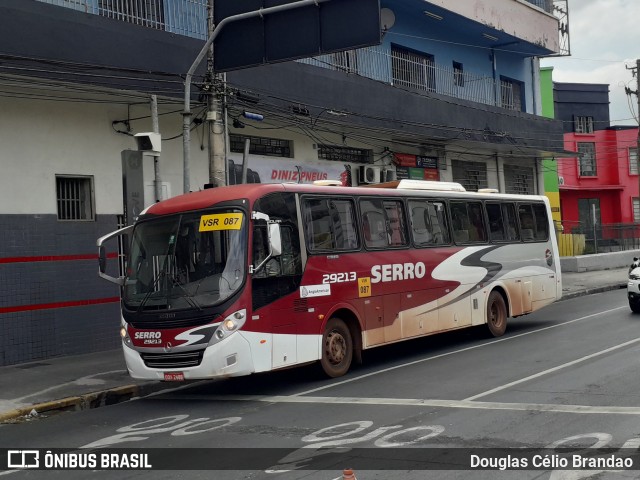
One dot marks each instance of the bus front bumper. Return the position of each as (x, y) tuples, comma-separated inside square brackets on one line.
[(229, 358)]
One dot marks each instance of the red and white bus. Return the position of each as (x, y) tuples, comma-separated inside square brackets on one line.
[(252, 278)]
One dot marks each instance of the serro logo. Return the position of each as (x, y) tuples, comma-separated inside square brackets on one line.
[(147, 335), (391, 272)]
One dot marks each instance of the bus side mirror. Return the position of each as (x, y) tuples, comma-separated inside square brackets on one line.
[(102, 254), (102, 259), (275, 239)]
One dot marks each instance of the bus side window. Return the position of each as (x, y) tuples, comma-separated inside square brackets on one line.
[(375, 234), (477, 231), (527, 226), (420, 227), (383, 223), (541, 222), (395, 222), (330, 224), (510, 222), (496, 222)]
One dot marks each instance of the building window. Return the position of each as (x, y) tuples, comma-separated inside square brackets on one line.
[(471, 175), (345, 154), (270, 147), (633, 161), (587, 159), (74, 196), (458, 74), (511, 92), (413, 69), (519, 180), (583, 124), (636, 210)]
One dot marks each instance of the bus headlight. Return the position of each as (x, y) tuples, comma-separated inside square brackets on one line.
[(232, 323), (124, 335)]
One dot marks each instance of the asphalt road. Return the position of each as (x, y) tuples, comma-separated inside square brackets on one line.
[(567, 376)]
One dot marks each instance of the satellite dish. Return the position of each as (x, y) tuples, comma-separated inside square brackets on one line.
[(387, 19)]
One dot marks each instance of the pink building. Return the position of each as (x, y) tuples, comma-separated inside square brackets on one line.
[(603, 181)]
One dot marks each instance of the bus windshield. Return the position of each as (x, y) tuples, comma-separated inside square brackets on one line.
[(187, 261)]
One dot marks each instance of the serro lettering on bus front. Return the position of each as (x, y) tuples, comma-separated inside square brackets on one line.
[(390, 272)]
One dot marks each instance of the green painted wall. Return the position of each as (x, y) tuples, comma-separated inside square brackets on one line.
[(549, 166)]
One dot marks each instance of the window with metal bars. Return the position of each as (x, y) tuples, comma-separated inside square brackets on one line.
[(636, 210), (587, 159), (74, 196), (345, 154), (458, 74), (583, 124), (633, 161), (511, 94), (471, 175), (270, 147), (413, 69), (518, 180)]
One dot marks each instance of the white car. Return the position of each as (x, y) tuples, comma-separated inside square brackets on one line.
[(633, 287)]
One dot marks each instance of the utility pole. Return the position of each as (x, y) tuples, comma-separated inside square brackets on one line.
[(216, 138), (157, 182), (636, 73)]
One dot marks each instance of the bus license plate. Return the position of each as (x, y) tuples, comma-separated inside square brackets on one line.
[(173, 377)]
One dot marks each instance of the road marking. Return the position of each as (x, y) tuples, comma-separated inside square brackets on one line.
[(421, 402), (551, 370), (422, 360)]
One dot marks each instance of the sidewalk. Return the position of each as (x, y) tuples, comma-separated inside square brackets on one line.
[(93, 380)]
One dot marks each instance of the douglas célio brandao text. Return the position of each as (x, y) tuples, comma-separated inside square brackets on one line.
[(568, 461)]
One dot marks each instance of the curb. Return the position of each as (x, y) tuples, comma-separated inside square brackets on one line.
[(590, 291), (86, 401)]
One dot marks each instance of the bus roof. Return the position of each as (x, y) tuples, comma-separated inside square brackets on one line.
[(209, 197)]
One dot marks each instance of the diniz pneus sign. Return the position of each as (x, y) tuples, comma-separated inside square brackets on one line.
[(390, 272)]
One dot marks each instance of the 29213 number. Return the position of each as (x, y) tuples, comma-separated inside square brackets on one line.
[(339, 277)]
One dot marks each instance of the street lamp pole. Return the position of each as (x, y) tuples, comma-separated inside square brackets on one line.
[(217, 123)]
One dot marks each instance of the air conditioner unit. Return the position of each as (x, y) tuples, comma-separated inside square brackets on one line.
[(560, 180), (369, 174)]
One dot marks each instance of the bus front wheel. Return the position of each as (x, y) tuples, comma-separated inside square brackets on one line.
[(496, 314), (337, 348)]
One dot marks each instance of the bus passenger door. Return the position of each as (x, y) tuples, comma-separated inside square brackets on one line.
[(374, 321)]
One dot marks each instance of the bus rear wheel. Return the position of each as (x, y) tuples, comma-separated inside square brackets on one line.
[(337, 348), (496, 314)]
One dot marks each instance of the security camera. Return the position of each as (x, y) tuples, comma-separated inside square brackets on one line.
[(148, 142)]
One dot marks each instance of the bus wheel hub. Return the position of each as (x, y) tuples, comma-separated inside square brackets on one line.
[(335, 347)]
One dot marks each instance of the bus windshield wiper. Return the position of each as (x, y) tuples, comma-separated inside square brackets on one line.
[(154, 284), (187, 295)]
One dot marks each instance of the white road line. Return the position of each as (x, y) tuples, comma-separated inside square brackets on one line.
[(551, 370), (492, 342), (421, 402)]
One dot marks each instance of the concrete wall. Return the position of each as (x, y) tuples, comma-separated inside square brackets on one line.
[(598, 261)]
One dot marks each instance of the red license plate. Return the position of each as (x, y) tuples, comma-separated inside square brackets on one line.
[(173, 377)]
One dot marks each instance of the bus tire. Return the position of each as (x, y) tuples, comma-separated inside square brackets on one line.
[(337, 348), (496, 314)]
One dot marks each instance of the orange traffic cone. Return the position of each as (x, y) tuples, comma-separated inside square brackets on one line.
[(347, 474)]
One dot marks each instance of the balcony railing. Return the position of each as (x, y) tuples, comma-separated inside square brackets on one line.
[(407, 72), (184, 17), (400, 69)]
